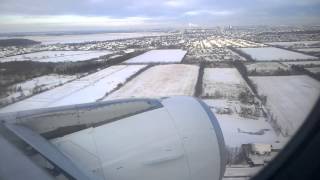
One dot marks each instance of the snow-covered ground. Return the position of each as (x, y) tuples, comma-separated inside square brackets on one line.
[(160, 81), (159, 56), (221, 89), (289, 98), (236, 130), (56, 56), (266, 68), (294, 43), (36, 85), (315, 70), (274, 54), (240, 173), (303, 63), (224, 42), (309, 50), (80, 38), (222, 82), (84, 90)]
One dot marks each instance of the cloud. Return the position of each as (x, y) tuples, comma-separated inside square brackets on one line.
[(73, 20), (142, 13), (290, 2), (174, 3), (209, 12)]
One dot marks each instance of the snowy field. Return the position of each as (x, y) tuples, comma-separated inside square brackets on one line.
[(240, 173), (224, 42), (35, 85), (303, 63), (160, 81), (315, 70), (295, 43), (265, 68), (289, 98), (84, 90), (81, 38), (236, 130), (309, 50), (222, 82), (159, 56), (275, 54), (56, 56)]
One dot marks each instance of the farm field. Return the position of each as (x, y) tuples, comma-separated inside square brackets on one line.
[(221, 91), (289, 98), (303, 63), (266, 68), (315, 70), (56, 56), (35, 85), (159, 56), (275, 54), (247, 130), (160, 81), (224, 42), (312, 51), (222, 82), (84, 90), (295, 43), (309, 50), (26, 88), (81, 38)]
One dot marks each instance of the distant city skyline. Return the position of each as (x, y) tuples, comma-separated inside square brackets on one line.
[(59, 15)]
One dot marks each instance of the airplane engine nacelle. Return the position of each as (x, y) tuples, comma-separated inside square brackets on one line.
[(171, 138)]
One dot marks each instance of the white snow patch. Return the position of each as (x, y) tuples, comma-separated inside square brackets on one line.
[(309, 50), (84, 90), (160, 81), (231, 124), (158, 56), (35, 85), (303, 63), (266, 67), (240, 173), (315, 70), (225, 82), (271, 53), (289, 98), (295, 43), (56, 56)]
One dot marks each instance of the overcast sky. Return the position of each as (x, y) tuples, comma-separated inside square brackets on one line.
[(57, 15)]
